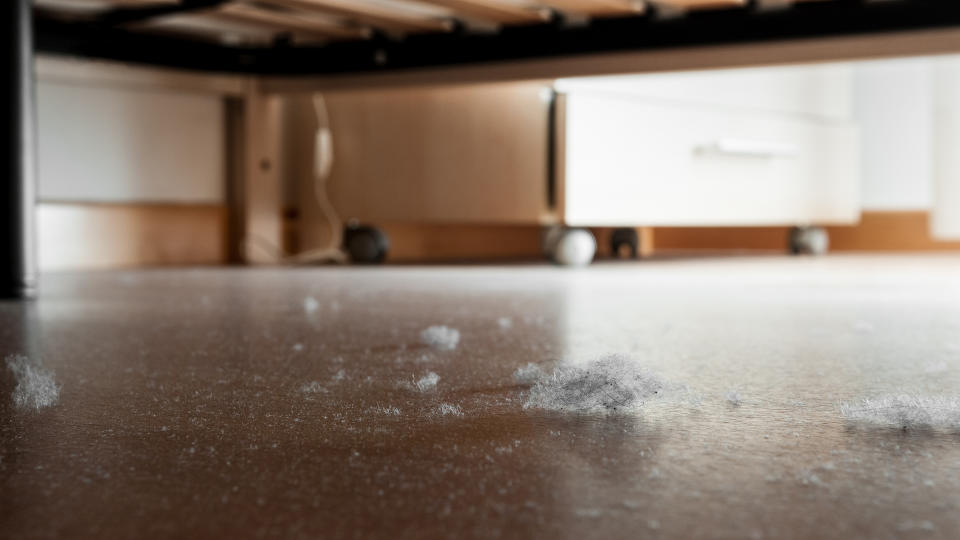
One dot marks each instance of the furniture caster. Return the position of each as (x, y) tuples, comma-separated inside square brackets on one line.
[(570, 247), (366, 244), (625, 243), (809, 241)]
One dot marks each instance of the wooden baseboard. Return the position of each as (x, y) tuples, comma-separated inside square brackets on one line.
[(889, 231), (720, 238), (411, 242), (97, 236), (876, 231)]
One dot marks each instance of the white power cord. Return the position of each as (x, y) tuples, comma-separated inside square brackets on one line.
[(322, 165)]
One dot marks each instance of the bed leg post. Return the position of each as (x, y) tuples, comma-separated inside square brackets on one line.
[(17, 151)]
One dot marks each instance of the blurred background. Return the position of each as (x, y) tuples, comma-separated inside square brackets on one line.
[(143, 166)]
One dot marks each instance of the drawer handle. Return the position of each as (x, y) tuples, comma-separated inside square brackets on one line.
[(749, 148)]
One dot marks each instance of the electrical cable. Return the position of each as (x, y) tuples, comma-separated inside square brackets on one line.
[(322, 166), (323, 156)]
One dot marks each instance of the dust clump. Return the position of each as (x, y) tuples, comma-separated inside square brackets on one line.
[(310, 305), (313, 387), (609, 385), (427, 382), (505, 323), (36, 388), (905, 411), (528, 374), (440, 337), (733, 398), (386, 410), (449, 409)]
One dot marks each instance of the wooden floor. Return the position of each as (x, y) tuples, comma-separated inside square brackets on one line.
[(188, 409)]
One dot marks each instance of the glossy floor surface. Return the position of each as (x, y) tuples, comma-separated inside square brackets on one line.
[(284, 402)]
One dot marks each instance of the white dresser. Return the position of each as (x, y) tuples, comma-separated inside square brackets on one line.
[(770, 146)]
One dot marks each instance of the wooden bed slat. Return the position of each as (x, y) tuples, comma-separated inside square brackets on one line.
[(499, 12), (695, 4), (378, 17), (292, 22), (597, 8)]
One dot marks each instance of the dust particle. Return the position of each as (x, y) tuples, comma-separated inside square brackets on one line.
[(609, 385), (442, 338), (36, 388)]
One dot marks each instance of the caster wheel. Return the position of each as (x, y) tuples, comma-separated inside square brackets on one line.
[(571, 247), (625, 243), (365, 244), (809, 241)]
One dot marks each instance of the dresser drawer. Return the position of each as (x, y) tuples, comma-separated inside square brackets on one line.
[(632, 162), (822, 90)]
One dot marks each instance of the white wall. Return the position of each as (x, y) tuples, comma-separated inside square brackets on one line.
[(945, 218), (100, 144), (893, 104)]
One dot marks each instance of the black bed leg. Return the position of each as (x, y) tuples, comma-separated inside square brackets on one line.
[(17, 151)]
